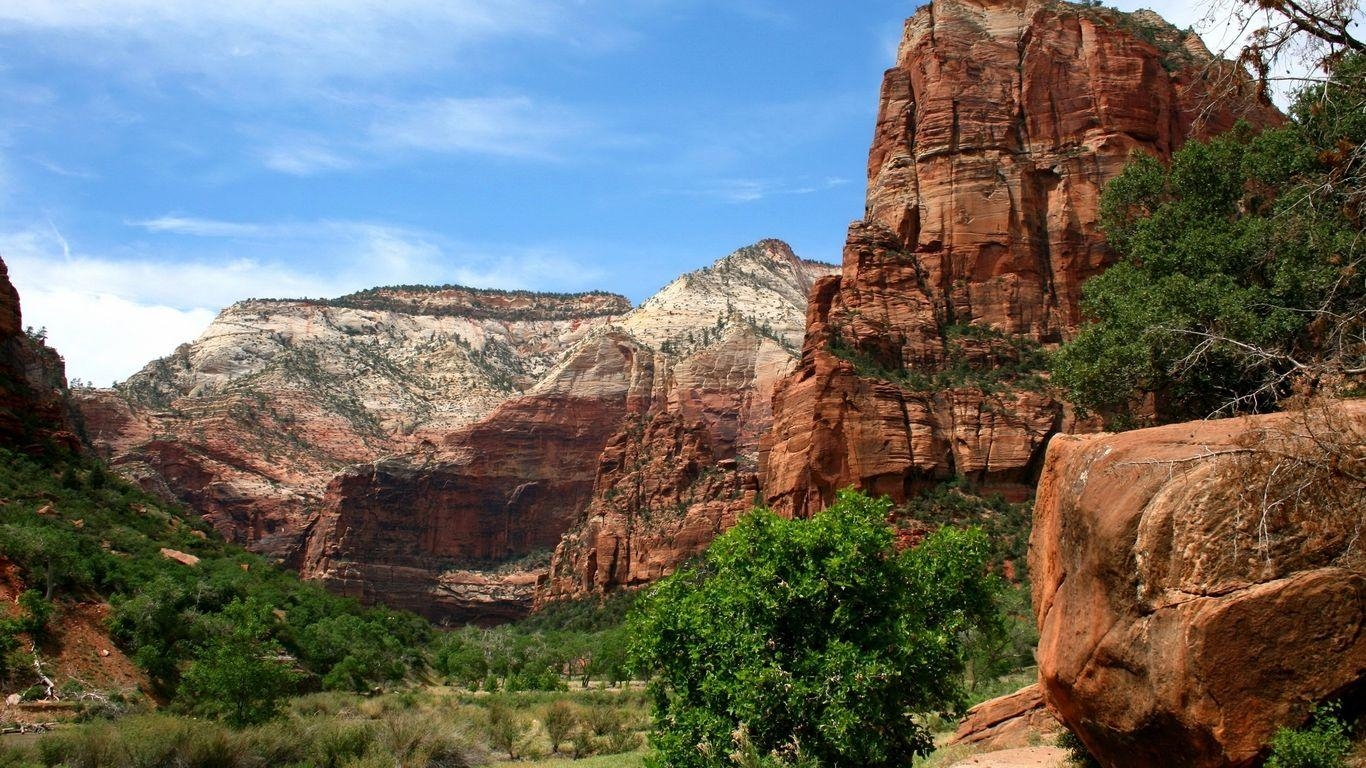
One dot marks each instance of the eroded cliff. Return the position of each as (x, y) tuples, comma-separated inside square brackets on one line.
[(639, 444), (35, 409), (249, 423), (684, 464), (998, 127)]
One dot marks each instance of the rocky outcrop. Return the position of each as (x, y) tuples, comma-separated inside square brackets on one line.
[(998, 127), (1019, 719), (249, 423), (1199, 585), (430, 447), (637, 448), (461, 531), (684, 464), (35, 409)]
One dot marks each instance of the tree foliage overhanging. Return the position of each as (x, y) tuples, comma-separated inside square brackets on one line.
[(1242, 276), (811, 642)]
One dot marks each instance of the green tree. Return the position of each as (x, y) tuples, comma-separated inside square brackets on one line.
[(239, 673), (352, 654), (37, 613), (812, 639), (1240, 280), (57, 557)]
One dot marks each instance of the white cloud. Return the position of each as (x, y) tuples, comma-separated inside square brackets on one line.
[(299, 41), (109, 316), (506, 126), (752, 190), (304, 160), (105, 338)]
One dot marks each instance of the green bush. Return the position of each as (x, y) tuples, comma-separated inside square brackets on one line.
[(238, 674), (1077, 753), (813, 639), (1323, 744), (1240, 269)]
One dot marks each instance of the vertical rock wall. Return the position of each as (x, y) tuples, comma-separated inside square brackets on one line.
[(998, 128)]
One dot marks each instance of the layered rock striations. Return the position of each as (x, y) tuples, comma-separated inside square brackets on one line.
[(998, 127), (431, 447), (684, 464), (462, 530), (249, 423), (1198, 586), (35, 408), (641, 440)]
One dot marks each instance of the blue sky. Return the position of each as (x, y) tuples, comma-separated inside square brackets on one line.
[(160, 159)]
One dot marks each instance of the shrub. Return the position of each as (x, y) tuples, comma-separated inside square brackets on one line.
[(1323, 744), (815, 639), (560, 720)]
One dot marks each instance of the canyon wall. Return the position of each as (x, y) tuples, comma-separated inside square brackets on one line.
[(249, 423), (998, 128), (685, 462), (430, 447), (36, 414)]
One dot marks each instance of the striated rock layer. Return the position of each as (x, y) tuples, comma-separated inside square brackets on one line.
[(431, 447), (460, 532), (35, 409), (998, 127), (684, 464), (1200, 585), (639, 444), (249, 423)]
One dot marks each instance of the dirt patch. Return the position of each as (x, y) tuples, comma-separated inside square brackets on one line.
[(1026, 757)]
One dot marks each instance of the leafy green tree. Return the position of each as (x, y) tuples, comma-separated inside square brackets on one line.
[(53, 555), (239, 673), (352, 654), (9, 640), (1240, 279), (1323, 744), (812, 639), (37, 613)]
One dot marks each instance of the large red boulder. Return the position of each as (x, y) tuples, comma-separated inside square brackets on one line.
[(1200, 585)]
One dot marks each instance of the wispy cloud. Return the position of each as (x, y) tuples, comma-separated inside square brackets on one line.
[(508, 127), (377, 133), (753, 190), (60, 170), (291, 41), (110, 315), (304, 160)]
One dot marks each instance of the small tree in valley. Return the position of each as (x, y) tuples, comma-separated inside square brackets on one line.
[(800, 641)]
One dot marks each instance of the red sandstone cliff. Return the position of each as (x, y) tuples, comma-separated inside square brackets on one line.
[(35, 411), (249, 423), (1200, 585), (454, 532), (430, 447), (640, 444), (998, 127)]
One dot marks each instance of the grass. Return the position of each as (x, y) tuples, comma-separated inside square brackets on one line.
[(634, 759), (430, 727)]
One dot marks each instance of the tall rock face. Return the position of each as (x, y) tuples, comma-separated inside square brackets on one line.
[(35, 408), (657, 416), (1198, 586), (684, 464), (998, 127), (461, 531), (249, 423), (431, 447)]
